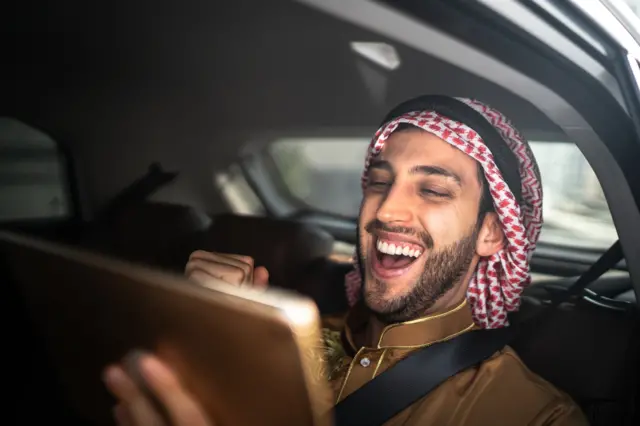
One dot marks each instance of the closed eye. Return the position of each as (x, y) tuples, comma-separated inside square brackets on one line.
[(378, 186), (431, 192)]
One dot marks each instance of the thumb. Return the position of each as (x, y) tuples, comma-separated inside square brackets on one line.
[(260, 277)]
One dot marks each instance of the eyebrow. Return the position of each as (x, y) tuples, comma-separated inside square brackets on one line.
[(425, 170), (435, 170)]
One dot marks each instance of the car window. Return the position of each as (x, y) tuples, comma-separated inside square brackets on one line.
[(33, 182), (634, 5), (325, 175)]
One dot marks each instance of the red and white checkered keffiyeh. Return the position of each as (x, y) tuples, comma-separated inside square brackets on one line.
[(497, 285)]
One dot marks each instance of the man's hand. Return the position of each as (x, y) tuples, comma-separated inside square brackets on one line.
[(231, 268), (134, 409)]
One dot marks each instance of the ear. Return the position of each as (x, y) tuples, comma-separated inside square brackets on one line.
[(491, 239)]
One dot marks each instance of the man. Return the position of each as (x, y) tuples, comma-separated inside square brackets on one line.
[(450, 216)]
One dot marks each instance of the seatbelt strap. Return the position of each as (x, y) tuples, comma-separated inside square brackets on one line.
[(607, 261), (415, 376)]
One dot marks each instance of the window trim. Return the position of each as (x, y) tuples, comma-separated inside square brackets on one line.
[(555, 40), (260, 168)]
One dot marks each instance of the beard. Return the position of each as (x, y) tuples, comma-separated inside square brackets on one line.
[(443, 269)]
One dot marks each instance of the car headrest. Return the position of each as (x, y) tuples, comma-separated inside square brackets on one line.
[(138, 231), (175, 218), (284, 247)]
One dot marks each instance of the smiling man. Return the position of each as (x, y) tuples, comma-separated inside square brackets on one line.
[(419, 226), (451, 212)]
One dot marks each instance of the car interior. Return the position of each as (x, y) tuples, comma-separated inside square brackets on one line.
[(145, 131)]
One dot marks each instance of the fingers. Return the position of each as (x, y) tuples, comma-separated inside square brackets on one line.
[(122, 416), (234, 269), (216, 257), (120, 384), (134, 408), (181, 406), (231, 268), (260, 277), (202, 271)]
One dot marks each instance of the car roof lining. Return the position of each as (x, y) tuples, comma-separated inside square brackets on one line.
[(319, 80)]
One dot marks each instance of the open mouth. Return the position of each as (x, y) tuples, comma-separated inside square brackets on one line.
[(394, 257)]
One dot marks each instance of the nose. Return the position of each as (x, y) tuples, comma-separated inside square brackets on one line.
[(396, 207)]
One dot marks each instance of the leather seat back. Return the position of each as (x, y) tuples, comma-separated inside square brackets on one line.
[(588, 351), (141, 231)]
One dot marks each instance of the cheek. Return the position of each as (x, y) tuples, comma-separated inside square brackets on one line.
[(445, 225), (368, 212)]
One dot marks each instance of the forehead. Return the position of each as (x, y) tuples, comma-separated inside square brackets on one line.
[(410, 148)]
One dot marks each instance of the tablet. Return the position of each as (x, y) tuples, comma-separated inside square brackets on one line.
[(251, 357)]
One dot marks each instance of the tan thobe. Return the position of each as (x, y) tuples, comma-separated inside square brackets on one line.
[(499, 391)]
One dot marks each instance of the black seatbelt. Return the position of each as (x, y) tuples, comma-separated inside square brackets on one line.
[(415, 376), (607, 261)]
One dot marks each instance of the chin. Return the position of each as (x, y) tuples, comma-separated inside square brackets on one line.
[(384, 297), (405, 277)]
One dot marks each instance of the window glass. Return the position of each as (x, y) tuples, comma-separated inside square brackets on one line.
[(325, 175), (33, 181), (634, 5)]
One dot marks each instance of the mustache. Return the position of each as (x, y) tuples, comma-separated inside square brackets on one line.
[(377, 225)]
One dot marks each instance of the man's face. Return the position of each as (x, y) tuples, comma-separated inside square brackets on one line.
[(418, 224)]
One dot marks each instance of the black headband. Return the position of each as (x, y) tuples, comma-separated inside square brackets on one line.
[(453, 109)]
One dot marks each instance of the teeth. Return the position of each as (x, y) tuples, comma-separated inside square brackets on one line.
[(393, 249)]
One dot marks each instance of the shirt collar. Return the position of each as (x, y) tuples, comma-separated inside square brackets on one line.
[(410, 334)]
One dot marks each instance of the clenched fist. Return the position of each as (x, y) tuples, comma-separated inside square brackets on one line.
[(234, 269)]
